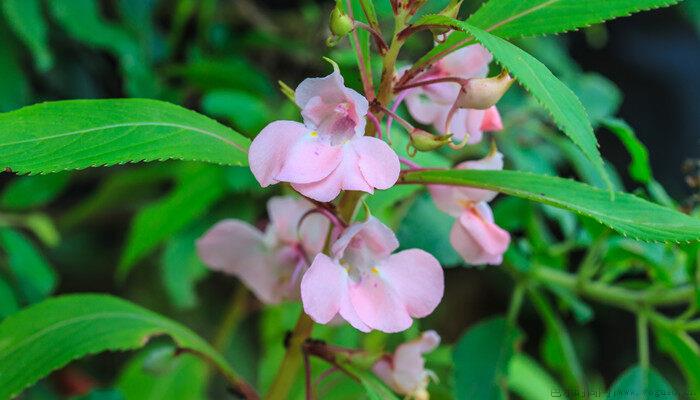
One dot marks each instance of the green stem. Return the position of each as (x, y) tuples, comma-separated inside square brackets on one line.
[(643, 339), (589, 265), (237, 309), (516, 303), (614, 295), (291, 364)]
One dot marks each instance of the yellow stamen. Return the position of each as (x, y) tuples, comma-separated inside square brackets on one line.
[(313, 134), (375, 271)]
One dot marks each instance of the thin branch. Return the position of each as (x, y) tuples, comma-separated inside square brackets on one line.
[(365, 76)]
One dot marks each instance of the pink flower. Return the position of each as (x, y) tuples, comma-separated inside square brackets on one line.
[(329, 152), (431, 104), (474, 235), (404, 371), (367, 285), (270, 264)]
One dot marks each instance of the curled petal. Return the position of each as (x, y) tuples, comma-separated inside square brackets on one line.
[(417, 279), (329, 88), (310, 160), (270, 148), (477, 238), (372, 233), (409, 366), (378, 163), (237, 248)]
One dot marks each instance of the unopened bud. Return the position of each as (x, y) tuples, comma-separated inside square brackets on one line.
[(341, 24), (482, 93), (425, 141)]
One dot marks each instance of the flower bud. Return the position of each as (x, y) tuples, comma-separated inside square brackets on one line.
[(482, 93), (424, 141), (340, 24)]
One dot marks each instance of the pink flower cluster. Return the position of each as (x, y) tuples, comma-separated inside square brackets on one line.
[(328, 152)]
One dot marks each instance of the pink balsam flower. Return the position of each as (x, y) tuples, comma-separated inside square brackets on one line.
[(367, 285), (404, 371), (270, 264), (328, 152), (474, 235), (431, 104)]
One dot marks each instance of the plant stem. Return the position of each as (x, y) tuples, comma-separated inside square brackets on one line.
[(291, 364), (643, 339), (516, 303), (237, 309), (614, 295), (365, 74), (589, 265)]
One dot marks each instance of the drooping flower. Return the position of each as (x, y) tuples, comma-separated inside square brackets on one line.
[(367, 285), (270, 264), (404, 371), (431, 104), (329, 152), (475, 235)]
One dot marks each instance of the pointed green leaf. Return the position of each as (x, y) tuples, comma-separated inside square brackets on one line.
[(638, 383), (77, 134), (35, 278), (33, 191), (684, 351), (529, 380), (627, 214), (49, 335), (481, 360)]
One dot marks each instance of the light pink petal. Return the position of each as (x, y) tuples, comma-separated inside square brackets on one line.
[(417, 279), (447, 199), (423, 109), (313, 233), (361, 108), (322, 288), (269, 149), (493, 162), (378, 163), (237, 248), (384, 370), (477, 239), (310, 160), (373, 234), (492, 120), (285, 213), (409, 365), (378, 305), (330, 88), (467, 62), (347, 176)]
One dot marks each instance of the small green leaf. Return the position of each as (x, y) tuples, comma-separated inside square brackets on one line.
[(77, 134), (638, 383), (183, 377), (33, 191), (25, 18), (627, 214), (182, 269), (8, 300), (196, 190), (481, 360), (83, 325), (684, 351), (639, 168), (35, 277), (529, 380)]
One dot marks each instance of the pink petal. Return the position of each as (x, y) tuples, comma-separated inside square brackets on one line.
[(378, 305), (347, 176), (423, 109), (373, 234), (409, 365), (285, 213), (237, 248), (322, 287), (477, 239), (269, 149), (492, 120), (383, 369), (492, 162), (467, 62), (447, 199), (312, 233), (329, 88), (310, 160), (378, 163), (417, 279)]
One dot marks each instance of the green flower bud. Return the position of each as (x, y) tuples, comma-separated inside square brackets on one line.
[(424, 141), (341, 24)]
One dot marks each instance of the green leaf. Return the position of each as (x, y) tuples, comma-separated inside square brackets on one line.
[(182, 377), (627, 214), (639, 168), (35, 277), (33, 191), (25, 18), (182, 269), (374, 388), (481, 360), (370, 13), (512, 18), (638, 383), (196, 190), (14, 84), (83, 325), (232, 73), (684, 351), (82, 20), (77, 134), (563, 105), (529, 380), (8, 300)]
